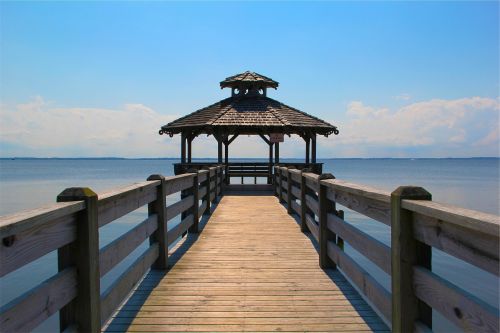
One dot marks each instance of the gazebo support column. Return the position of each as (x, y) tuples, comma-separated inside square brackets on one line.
[(189, 142), (183, 148), (307, 139), (277, 152), (270, 178), (226, 160), (313, 148), (270, 170), (219, 151)]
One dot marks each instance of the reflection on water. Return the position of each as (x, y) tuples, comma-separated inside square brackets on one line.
[(470, 183)]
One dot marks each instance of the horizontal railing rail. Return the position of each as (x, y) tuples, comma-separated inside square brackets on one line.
[(71, 226), (417, 225)]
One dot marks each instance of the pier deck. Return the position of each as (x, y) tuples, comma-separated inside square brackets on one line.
[(247, 270)]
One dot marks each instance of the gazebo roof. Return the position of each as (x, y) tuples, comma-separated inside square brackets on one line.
[(249, 78), (249, 112)]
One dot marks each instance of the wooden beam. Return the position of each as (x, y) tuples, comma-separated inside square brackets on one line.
[(183, 147), (325, 235), (269, 179), (277, 152), (85, 309), (159, 208), (189, 141), (232, 139), (313, 148), (219, 150), (307, 140), (406, 253), (266, 140)]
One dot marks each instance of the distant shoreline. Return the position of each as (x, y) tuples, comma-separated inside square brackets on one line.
[(245, 158)]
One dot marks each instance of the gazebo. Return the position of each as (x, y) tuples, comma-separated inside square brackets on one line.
[(248, 111)]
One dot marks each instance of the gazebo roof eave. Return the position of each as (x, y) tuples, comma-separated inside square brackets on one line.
[(248, 129)]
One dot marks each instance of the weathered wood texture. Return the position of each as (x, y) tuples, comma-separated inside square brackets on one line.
[(468, 235), (249, 270)]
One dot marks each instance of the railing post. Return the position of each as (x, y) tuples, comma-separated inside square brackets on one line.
[(275, 181), (280, 183), (407, 252), (194, 210), (303, 205), (325, 235), (340, 241), (85, 309), (159, 207), (207, 194), (289, 191)]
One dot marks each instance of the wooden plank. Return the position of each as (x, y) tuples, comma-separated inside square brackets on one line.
[(377, 295), (116, 293), (35, 306), (32, 243), (466, 218), (313, 227), (463, 309), (311, 181), (202, 176), (250, 269), (179, 183), (324, 208), (28, 219), (376, 251), (202, 192), (295, 175), (118, 202), (295, 191), (477, 248), (120, 248), (312, 204), (202, 208), (405, 253), (366, 200), (296, 207), (179, 229), (284, 183), (179, 207), (84, 311)]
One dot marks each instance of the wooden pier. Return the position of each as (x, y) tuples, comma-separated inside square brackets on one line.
[(249, 270), (248, 262)]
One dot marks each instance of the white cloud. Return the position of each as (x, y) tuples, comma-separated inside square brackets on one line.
[(38, 128), (437, 128)]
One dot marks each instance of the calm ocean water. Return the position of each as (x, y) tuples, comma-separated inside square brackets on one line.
[(470, 183)]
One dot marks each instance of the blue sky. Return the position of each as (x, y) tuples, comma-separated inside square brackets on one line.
[(367, 67)]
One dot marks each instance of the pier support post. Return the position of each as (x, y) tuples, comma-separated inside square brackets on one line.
[(159, 207), (325, 235), (193, 229), (85, 309), (407, 252)]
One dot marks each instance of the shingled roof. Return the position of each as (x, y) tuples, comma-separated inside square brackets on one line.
[(249, 78), (251, 112)]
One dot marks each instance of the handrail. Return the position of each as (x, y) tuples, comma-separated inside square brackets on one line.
[(72, 228), (417, 225)]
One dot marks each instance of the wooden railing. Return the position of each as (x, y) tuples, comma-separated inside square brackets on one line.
[(248, 169), (417, 225), (71, 227)]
